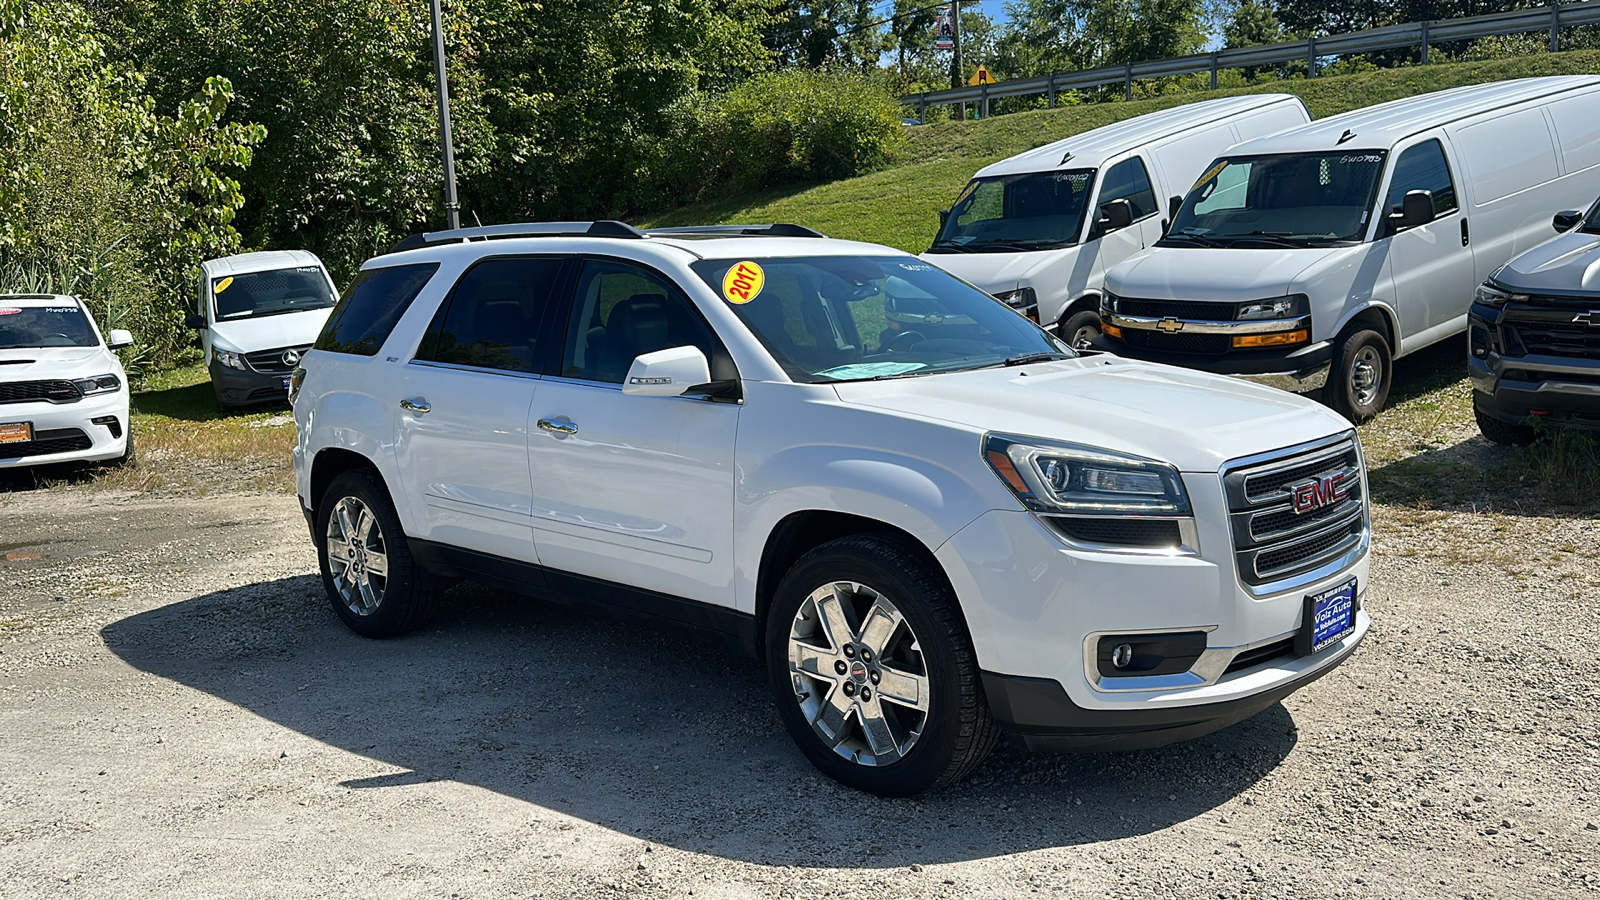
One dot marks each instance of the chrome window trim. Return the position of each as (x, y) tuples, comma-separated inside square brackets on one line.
[(485, 370)]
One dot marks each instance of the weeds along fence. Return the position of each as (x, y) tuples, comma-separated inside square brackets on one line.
[(1390, 37)]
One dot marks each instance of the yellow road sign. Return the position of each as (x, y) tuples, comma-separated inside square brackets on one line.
[(981, 76)]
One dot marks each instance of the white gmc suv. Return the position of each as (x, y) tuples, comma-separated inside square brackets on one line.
[(931, 519)]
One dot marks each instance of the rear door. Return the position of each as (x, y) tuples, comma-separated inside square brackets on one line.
[(1432, 264), (464, 402)]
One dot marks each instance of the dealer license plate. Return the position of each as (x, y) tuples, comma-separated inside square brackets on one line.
[(16, 433), (1329, 617), (286, 382)]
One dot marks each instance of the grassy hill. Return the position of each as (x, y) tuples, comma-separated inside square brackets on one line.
[(899, 206)]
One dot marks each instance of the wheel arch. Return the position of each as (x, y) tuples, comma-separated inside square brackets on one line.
[(1379, 318), (331, 462)]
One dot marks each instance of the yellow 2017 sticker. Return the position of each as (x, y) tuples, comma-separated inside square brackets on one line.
[(223, 285), (743, 282)]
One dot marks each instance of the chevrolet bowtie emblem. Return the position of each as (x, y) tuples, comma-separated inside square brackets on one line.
[(1170, 326), (1591, 318)]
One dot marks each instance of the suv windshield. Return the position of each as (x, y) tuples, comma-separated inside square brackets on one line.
[(1295, 200), (1591, 222), (256, 294), (1007, 213), (45, 326), (852, 318)]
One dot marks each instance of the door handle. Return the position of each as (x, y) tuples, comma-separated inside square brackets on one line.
[(418, 406), (558, 427), (1463, 231)]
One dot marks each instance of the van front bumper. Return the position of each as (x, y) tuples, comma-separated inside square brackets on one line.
[(1298, 369), (236, 387)]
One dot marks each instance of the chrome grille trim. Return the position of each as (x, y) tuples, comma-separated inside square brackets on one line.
[(1274, 549)]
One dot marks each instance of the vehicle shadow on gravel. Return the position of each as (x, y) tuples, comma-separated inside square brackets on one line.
[(33, 478), (649, 733)]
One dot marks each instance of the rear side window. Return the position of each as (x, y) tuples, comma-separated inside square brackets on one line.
[(491, 319), (1423, 168), (1127, 180), (371, 308)]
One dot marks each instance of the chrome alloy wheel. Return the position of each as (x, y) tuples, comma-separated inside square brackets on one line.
[(858, 673), (1366, 375), (358, 559)]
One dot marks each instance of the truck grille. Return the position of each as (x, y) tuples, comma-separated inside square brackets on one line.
[(1177, 309), (270, 362), (48, 391), (1575, 339), (1273, 542), (1210, 344)]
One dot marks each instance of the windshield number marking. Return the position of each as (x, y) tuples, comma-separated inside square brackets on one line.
[(743, 282)]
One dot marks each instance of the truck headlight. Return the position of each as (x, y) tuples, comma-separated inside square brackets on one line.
[(1057, 477), (1291, 307), (1490, 294)]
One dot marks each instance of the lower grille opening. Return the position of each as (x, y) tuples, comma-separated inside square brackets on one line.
[(44, 443), (1255, 656), (1208, 344), (1148, 533)]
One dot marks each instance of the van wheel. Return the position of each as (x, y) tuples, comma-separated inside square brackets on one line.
[(1501, 432), (374, 585), (872, 669), (1363, 369), (1079, 329)]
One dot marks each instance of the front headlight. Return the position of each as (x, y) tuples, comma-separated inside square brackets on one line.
[(296, 378), (1491, 295), (99, 384), (229, 358), (1023, 300), (1291, 307), (1057, 477)]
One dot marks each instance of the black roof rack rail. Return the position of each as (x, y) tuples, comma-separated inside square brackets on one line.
[(778, 229), (600, 228)]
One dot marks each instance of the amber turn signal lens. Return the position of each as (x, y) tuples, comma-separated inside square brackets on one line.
[(1111, 330), (1272, 340)]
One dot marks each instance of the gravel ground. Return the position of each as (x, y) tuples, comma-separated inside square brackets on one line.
[(182, 715)]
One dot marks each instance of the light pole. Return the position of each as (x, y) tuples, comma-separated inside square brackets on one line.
[(452, 209)]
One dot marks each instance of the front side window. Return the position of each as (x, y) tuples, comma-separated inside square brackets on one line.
[(1282, 200), (491, 318), (848, 318), (256, 294), (1422, 168), (1009, 213), (45, 326), (1128, 180), (1591, 222), (621, 311), (372, 307)]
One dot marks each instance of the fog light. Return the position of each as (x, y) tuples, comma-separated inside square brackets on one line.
[(1121, 655), (1272, 340)]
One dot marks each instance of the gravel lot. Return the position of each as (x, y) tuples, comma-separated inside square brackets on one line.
[(181, 715)]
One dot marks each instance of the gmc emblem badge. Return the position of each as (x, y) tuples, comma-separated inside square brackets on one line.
[(1318, 492)]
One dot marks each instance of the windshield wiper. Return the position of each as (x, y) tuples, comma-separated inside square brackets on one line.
[(1200, 239), (1026, 358), (951, 245)]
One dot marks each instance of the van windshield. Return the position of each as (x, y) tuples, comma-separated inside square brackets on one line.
[(1286, 200), (1008, 213), (256, 294)]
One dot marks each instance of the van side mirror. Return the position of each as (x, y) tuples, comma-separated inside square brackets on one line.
[(944, 216), (1115, 214), (118, 338), (1174, 203), (196, 321), (1567, 219), (1416, 209), (667, 373)]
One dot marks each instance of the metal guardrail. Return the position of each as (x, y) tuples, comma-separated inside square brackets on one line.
[(1390, 37)]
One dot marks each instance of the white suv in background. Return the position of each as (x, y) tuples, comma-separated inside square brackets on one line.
[(929, 517), (63, 393)]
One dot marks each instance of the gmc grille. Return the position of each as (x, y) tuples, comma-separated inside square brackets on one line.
[(1271, 540)]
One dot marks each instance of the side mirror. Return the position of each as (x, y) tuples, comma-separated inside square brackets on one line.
[(1566, 220), (195, 321), (1115, 214), (667, 373), (118, 338), (1174, 203), (1416, 209), (944, 216)]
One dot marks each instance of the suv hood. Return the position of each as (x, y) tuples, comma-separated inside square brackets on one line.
[(39, 363), (1570, 264), (1193, 420), (996, 272), (1221, 274), (271, 332)]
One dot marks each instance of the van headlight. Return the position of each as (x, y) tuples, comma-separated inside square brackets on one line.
[(1023, 300), (1057, 477), (230, 358), (1291, 307)]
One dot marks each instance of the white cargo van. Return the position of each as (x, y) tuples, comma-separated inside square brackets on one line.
[(1022, 228), (1316, 256), (258, 314)]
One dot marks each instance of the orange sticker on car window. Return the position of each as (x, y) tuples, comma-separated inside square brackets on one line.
[(1211, 173), (223, 285), (743, 282)]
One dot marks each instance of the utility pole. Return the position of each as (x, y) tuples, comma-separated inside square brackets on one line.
[(957, 73), (452, 209)]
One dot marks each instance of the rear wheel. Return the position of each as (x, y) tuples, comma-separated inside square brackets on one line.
[(872, 669), (373, 584), (1079, 329), (1363, 369), (1501, 432)]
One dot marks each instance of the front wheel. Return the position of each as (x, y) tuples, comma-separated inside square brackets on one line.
[(872, 669), (1502, 432), (1358, 382), (373, 584), (1080, 329)]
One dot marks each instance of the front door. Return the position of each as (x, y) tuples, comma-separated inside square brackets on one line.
[(464, 404), (1431, 264), (631, 489), (1127, 180)]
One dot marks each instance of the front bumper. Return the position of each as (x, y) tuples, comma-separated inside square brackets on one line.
[(1562, 390), (1298, 369), (243, 388), (1037, 607), (67, 432)]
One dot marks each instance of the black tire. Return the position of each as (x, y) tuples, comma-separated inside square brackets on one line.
[(1362, 372), (957, 731), (1084, 325), (128, 454), (406, 593), (1501, 432)]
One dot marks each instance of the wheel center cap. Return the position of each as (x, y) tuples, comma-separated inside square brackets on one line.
[(858, 672)]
